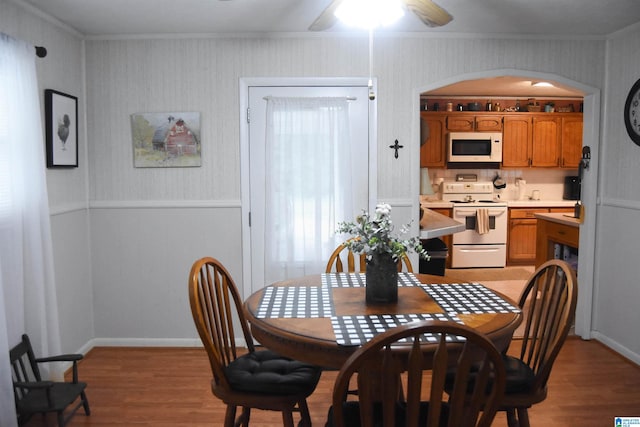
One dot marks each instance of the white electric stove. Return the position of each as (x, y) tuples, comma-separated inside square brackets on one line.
[(471, 248)]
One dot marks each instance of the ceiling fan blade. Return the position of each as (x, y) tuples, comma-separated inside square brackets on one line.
[(327, 18), (429, 12)]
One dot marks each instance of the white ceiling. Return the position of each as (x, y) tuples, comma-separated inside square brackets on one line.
[(541, 17), (478, 18), (506, 87)]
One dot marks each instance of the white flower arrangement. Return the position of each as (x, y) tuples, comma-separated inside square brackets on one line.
[(374, 235)]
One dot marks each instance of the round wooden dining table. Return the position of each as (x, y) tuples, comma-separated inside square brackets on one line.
[(308, 335)]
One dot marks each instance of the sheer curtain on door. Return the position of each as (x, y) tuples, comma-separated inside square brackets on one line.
[(28, 300), (308, 183)]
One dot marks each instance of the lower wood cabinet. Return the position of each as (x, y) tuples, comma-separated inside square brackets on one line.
[(521, 240)]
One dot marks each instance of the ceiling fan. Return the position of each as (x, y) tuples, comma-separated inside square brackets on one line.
[(428, 12)]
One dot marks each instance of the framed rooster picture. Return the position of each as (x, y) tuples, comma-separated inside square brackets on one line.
[(61, 122)]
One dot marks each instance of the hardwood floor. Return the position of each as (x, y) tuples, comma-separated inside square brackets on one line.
[(163, 387)]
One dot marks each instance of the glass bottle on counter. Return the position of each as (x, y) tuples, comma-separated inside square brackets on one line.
[(489, 105)]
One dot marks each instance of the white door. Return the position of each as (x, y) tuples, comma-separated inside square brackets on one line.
[(254, 173)]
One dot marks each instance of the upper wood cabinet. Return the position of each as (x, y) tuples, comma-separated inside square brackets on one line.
[(546, 140), (432, 141), (488, 123), (461, 122), (516, 141), (542, 140), (571, 141)]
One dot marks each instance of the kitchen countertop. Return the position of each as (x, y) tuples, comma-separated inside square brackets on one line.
[(435, 204), (434, 225), (541, 203), (559, 218)]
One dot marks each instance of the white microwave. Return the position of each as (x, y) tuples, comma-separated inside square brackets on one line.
[(474, 147)]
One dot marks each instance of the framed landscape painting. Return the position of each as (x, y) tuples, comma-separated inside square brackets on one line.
[(61, 122), (162, 140)]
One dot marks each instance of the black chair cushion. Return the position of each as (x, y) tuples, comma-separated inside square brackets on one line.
[(520, 377), (269, 373), (351, 411), (62, 395)]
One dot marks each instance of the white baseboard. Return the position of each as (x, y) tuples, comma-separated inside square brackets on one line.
[(146, 342), (615, 346)]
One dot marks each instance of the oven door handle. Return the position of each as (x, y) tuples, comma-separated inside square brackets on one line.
[(486, 249), (472, 212)]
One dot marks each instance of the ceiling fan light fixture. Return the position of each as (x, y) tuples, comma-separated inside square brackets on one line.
[(369, 14)]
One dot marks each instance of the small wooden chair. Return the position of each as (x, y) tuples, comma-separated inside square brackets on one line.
[(387, 398), (33, 395), (258, 379), (335, 263), (548, 302)]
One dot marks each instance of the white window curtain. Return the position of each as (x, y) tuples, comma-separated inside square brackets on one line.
[(308, 183), (28, 299)]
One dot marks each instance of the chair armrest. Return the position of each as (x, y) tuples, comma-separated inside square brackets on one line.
[(61, 358), (34, 385), (64, 358)]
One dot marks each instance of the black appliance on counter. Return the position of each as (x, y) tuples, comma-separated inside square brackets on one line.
[(571, 188)]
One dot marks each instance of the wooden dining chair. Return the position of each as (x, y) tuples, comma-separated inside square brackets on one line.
[(549, 303), (336, 263), (401, 379), (252, 379)]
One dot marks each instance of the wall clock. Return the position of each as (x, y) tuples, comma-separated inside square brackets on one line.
[(632, 113)]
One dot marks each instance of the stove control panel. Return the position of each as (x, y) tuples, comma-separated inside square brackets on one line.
[(467, 187)]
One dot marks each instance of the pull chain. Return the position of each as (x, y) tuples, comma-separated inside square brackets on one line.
[(372, 94)]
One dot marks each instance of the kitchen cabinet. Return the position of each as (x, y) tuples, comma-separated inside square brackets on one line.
[(548, 140), (557, 237), (432, 141), (545, 141), (571, 141), (521, 236), (463, 122), (516, 141)]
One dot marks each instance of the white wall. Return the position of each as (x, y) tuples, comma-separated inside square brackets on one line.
[(148, 225), (62, 70), (130, 76), (142, 257), (616, 311)]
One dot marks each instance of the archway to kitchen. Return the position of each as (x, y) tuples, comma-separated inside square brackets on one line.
[(591, 132)]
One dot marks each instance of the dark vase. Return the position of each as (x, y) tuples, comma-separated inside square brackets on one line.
[(382, 279)]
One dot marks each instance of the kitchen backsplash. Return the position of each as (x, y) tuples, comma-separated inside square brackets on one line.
[(548, 182)]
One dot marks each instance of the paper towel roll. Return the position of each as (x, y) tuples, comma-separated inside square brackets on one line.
[(425, 182)]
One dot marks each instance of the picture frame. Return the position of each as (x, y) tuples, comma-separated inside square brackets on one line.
[(166, 140), (61, 123)]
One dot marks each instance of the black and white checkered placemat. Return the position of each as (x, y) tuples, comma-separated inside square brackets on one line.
[(357, 280), (468, 298), (357, 330), (295, 302)]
